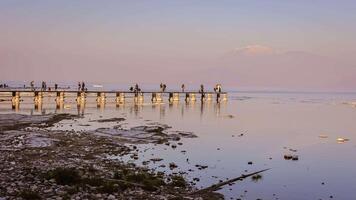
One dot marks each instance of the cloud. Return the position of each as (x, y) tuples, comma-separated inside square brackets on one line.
[(254, 50)]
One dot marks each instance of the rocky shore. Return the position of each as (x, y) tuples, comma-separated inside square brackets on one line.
[(38, 163)]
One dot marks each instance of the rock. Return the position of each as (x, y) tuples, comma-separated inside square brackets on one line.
[(295, 157), (111, 197), (172, 166), (288, 157), (156, 159), (48, 191)]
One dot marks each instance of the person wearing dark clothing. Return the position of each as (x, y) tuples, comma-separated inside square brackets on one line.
[(201, 88), (161, 87), (183, 87), (202, 92), (83, 86), (32, 84)]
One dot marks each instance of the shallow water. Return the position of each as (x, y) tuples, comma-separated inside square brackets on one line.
[(257, 127)]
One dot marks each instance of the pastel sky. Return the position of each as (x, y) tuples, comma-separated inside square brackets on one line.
[(281, 44)]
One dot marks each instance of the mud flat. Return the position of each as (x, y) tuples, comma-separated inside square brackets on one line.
[(39, 163)]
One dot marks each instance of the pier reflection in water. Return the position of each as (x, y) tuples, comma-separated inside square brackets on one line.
[(49, 105)]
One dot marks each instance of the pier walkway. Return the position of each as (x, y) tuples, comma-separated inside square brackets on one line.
[(102, 96)]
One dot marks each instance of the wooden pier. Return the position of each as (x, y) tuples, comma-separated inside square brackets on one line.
[(119, 97)]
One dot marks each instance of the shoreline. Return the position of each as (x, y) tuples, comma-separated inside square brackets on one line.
[(37, 163)]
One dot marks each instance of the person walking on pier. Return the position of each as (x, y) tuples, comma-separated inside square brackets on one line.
[(42, 86), (136, 90), (79, 86), (55, 86), (164, 87), (183, 87), (202, 92), (83, 86), (32, 85), (201, 88), (217, 89)]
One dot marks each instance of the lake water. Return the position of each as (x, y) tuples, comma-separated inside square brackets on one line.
[(250, 127)]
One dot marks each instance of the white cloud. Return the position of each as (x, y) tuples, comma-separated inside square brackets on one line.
[(254, 50)]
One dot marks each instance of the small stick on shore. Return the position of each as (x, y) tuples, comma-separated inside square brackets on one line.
[(219, 185)]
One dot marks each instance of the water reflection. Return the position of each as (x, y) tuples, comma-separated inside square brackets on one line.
[(230, 134), (135, 107)]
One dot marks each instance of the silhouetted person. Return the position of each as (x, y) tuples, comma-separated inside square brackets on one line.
[(201, 88), (202, 92), (79, 86), (161, 87), (136, 90), (55, 86), (83, 86), (217, 88), (42, 85), (164, 87), (183, 87), (32, 85)]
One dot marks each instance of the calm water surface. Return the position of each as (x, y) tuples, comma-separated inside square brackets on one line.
[(271, 124)]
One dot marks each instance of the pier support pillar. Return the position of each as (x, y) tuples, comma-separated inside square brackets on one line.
[(175, 96), (139, 98), (120, 98), (15, 99), (156, 97), (81, 97), (224, 97), (101, 97), (192, 97), (38, 97), (170, 98), (60, 97), (38, 100), (209, 97)]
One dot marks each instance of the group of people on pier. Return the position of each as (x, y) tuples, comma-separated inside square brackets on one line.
[(43, 86), (81, 86), (4, 85), (136, 89)]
